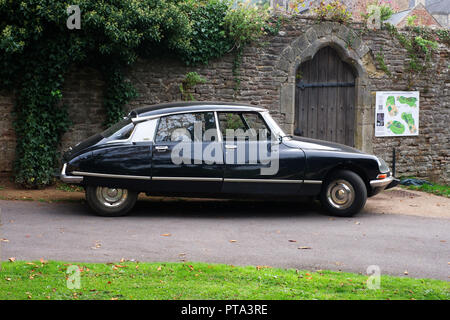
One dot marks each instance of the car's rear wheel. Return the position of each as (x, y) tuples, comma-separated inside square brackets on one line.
[(110, 202), (344, 193)]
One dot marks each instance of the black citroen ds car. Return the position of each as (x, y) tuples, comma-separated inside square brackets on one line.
[(217, 149)]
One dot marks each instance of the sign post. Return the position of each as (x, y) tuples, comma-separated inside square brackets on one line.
[(397, 113)]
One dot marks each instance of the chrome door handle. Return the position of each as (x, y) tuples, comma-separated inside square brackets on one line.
[(230, 146), (161, 148)]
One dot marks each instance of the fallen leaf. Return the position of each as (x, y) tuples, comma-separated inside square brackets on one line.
[(42, 261), (97, 245), (263, 267), (292, 240), (233, 240), (166, 235), (159, 268), (119, 266), (304, 248), (12, 259), (405, 273), (357, 222), (4, 240), (8, 279)]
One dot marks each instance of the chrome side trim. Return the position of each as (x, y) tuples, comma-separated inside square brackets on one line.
[(382, 182), (200, 179), (106, 175), (312, 181), (187, 179), (221, 109), (263, 180), (69, 179)]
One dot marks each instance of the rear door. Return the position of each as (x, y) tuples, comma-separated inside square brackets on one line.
[(180, 161)]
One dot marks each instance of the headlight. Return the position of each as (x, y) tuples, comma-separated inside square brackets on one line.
[(382, 165)]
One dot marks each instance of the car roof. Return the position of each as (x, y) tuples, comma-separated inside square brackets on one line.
[(192, 106)]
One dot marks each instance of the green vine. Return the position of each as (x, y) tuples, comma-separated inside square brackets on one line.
[(333, 10), (189, 82), (419, 48), (37, 49), (380, 59), (118, 93)]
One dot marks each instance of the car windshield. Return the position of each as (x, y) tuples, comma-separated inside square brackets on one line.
[(119, 131)]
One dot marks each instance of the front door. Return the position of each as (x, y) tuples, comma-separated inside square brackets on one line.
[(256, 162), (179, 164)]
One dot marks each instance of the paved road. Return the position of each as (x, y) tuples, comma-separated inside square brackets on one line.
[(201, 231)]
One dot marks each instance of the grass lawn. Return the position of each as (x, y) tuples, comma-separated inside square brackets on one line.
[(131, 280), (437, 189)]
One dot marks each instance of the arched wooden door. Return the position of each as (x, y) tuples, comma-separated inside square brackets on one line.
[(325, 98)]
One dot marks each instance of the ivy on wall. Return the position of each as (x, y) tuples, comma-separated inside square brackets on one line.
[(419, 44), (37, 49), (189, 82)]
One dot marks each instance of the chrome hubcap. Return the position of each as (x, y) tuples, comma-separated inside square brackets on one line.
[(340, 194), (111, 197)]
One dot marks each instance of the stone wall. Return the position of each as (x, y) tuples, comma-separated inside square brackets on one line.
[(7, 134), (268, 79)]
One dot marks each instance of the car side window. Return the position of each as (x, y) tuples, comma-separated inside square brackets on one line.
[(145, 131), (230, 121), (251, 123), (119, 131), (186, 127), (255, 122)]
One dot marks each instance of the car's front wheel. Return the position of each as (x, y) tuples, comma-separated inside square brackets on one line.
[(110, 202), (344, 193)]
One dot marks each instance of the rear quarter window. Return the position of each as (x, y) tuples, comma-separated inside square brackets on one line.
[(119, 131)]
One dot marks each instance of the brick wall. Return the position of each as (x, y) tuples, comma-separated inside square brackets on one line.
[(424, 18), (261, 83)]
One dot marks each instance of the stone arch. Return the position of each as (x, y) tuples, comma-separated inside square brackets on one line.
[(351, 50)]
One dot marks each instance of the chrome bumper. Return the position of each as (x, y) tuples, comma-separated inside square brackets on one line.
[(383, 182), (69, 179)]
